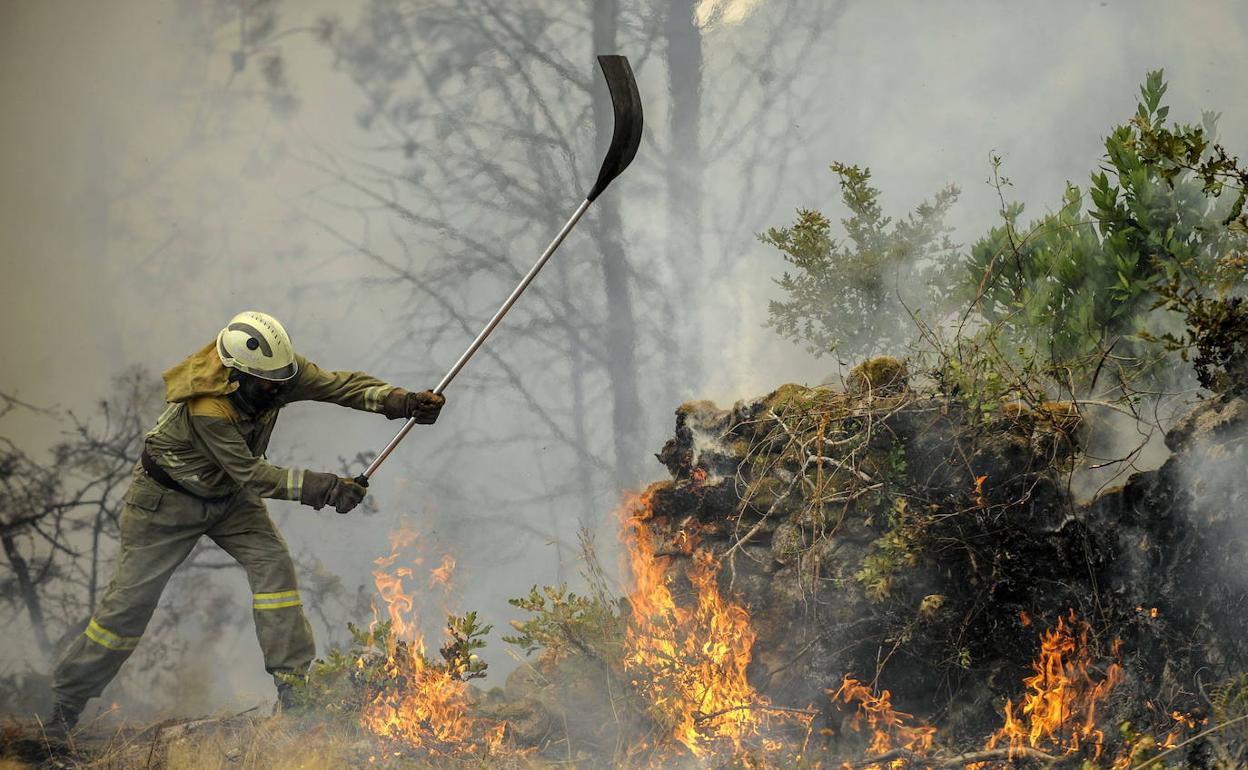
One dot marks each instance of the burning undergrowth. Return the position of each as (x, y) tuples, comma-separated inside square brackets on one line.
[(932, 555), (935, 552), (409, 697), (876, 577), (388, 679), (688, 660)]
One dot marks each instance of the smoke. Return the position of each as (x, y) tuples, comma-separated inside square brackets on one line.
[(152, 191), (1211, 476)]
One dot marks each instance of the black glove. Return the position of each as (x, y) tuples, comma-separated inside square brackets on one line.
[(402, 404), (321, 489)]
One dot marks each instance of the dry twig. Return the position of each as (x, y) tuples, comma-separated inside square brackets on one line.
[(1151, 762), (703, 718)]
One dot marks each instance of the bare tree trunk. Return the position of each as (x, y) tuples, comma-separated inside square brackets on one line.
[(584, 469), (621, 332), (684, 171), (28, 591)]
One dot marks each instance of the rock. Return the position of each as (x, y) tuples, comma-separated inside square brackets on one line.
[(824, 560), (772, 495), (674, 500), (571, 693), (529, 724), (814, 517), (699, 440), (788, 543), (1211, 420)]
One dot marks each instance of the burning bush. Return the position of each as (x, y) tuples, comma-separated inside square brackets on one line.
[(933, 548), (388, 682)]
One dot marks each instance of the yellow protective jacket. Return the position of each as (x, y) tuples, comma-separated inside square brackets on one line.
[(210, 446)]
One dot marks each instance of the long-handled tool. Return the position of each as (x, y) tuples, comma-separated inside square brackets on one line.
[(625, 138)]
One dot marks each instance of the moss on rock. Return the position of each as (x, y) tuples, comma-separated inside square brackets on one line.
[(881, 376)]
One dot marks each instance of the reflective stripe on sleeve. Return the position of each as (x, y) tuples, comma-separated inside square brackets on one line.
[(105, 638), (276, 601), (372, 398), (296, 491)]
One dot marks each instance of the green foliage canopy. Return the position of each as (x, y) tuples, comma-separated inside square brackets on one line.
[(1159, 228), (1072, 286), (850, 296)]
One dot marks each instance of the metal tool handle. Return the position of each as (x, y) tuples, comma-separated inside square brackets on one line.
[(480, 340)]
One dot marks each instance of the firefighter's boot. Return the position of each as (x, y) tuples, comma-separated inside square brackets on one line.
[(61, 722)]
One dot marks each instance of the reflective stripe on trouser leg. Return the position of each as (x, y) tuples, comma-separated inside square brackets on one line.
[(154, 541), (89, 663), (247, 533), (276, 601), (284, 634), (105, 638)]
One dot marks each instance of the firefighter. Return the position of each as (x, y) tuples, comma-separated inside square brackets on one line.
[(203, 472)]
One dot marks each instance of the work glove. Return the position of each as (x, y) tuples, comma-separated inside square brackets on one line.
[(424, 406), (321, 489)]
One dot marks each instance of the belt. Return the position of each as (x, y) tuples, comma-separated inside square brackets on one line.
[(162, 477)]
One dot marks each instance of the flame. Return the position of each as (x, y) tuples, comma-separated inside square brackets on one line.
[(688, 662), (414, 701), (979, 490), (1058, 713), (1183, 724), (442, 575), (889, 729)]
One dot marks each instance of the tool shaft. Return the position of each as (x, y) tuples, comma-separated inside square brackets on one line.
[(480, 340)]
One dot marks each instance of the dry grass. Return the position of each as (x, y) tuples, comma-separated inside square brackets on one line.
[(275, 743), (257, 743), (237, 743)]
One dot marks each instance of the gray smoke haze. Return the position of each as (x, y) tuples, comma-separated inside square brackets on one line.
[(151, 191)]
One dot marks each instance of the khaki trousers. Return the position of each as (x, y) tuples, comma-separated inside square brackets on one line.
[(159, 528)]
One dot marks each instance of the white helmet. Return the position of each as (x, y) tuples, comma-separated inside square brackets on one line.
[(256, 343)]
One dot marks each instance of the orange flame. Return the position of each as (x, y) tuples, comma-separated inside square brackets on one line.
[(979, 490), (1058, 713), (442, 575), (889, 729), (423, 705), (1183, 724), (688, 662)]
